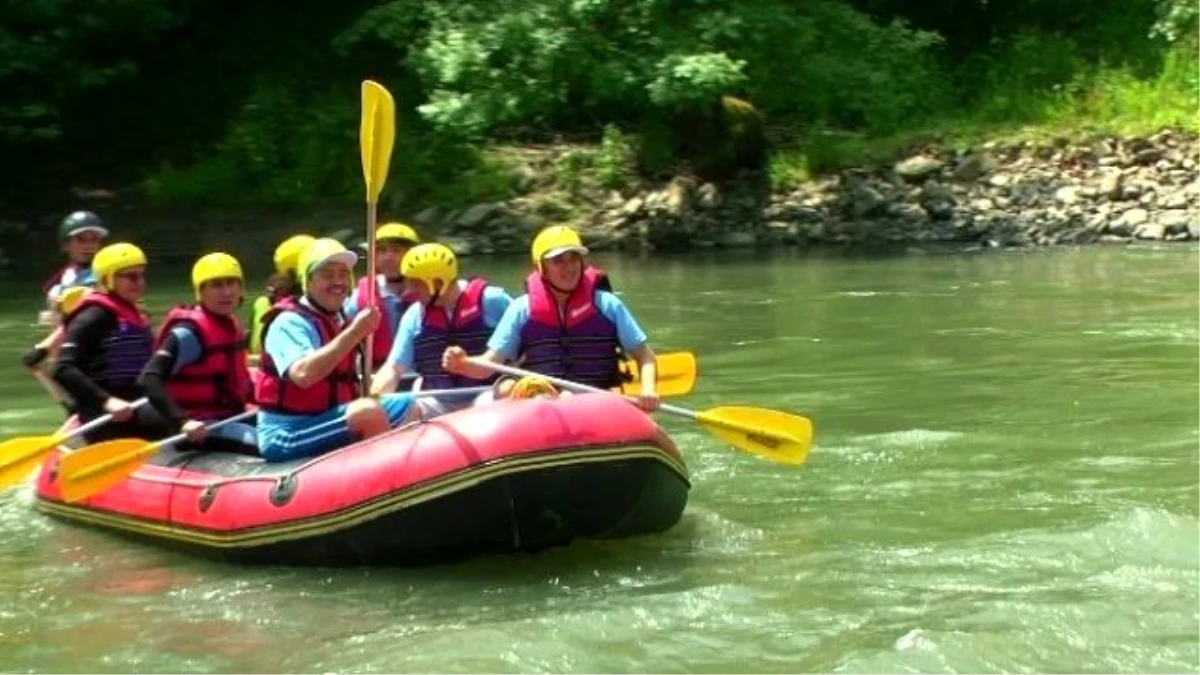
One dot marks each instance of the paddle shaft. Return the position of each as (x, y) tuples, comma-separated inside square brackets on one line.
[(567, 384), (99, 421), (372, 291)]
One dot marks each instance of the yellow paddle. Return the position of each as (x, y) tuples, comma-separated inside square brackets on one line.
[(70, 299), (20, 456), (778, 436), (376, 135), (676, 373), (98, 467)]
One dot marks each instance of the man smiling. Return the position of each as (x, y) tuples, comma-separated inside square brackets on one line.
[(307, 392), (567, 325)]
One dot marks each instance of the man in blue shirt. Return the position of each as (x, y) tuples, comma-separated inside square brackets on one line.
[(567, 325), (446, 310), (308, 387)]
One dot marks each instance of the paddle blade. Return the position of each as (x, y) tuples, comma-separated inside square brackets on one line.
[(676, 374), (96, 468), (377, 134), (22, 456), (70, 299), (778, 436)]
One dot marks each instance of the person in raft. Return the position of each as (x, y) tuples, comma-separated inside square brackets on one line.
[(446, 310), (283, 284), (81, 234), (392, 242), (567, 325), (198, 372), (107, 343), (307, 394)]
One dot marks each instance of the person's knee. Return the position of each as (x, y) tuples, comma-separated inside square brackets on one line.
[(366, 418)]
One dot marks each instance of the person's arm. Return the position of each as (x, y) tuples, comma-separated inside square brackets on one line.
[(504, 345), (633, 340), (180, 348), (317, 364), (80, 346)]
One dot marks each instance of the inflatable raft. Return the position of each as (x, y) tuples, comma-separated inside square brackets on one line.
[(511, 476)]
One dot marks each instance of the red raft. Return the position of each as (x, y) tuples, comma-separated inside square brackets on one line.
[(511, 476)]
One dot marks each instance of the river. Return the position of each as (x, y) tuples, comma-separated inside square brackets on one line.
[(1006, 478)]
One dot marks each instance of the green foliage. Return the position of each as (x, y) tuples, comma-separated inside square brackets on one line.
[(53, 52), (275, 119)]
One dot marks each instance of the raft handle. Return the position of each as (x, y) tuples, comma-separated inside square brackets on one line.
[(284, 490)]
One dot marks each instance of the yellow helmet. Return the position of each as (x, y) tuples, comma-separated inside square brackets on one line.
[(397, 232), (287, 254), (114, 258), (553, 241), (215, 266), (320, 252), (430, 263)]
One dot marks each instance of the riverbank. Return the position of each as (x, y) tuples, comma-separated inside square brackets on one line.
[(1099, 189), (1104, 189)]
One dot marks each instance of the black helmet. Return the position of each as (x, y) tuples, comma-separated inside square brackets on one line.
[(79, 222)]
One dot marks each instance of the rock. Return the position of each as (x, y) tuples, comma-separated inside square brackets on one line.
[(708, 197), (1110, 184), (1066, 195), (973, 167), (1174, 222), (1127, 223), (428, 217), (865, 200), (1152, 230), (1174, 200), (999, 180), (476, 215), (916, 168), (736, 239)]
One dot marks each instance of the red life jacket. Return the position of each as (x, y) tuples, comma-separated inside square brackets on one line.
[(582, 344), (275, 393), (467, 329), (218, 385), (385, 334), (125, 350)]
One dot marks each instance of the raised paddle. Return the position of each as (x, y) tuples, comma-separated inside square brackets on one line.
[(20, 456), (96, 468), (376, 135), (778, 436)]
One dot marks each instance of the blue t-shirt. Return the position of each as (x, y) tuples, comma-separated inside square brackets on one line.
[(391, 302), (495, 300), (506, 339), (189, 347), (290, 337)]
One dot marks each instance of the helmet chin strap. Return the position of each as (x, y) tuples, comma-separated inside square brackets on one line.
[(319, 307)]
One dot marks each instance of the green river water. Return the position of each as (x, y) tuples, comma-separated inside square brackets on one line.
[(1005, 479)]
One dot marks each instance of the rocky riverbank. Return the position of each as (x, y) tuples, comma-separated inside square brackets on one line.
[(1103, 189)]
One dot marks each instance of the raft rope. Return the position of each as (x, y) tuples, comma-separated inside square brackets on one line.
[(530, 386)]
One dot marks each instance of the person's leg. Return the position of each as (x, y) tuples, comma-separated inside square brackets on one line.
[(284, 437), (400, 409)]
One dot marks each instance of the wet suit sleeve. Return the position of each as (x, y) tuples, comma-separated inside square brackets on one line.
[(180, 348), (80, 346)]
